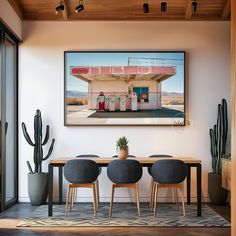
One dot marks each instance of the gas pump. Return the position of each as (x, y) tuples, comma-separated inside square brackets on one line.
[(123, 99), (112, 103), (134, 102), (101, 100)]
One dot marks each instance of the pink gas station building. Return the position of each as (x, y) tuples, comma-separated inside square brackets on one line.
[(124, 87)]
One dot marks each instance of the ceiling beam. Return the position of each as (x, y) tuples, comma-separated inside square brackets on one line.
[(188, 9), (16, 6), (65, 12), (226, 10)]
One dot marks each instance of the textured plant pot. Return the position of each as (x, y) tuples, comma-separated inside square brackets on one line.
[(38, 188), (122, 153), (217, 194)]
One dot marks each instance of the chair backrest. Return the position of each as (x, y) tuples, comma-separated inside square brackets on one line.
[(88, 155), (81, 171), (159, 156), (169, 171), (124, 171), (127, 156)]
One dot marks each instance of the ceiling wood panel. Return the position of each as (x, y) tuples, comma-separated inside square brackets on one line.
[(122, 10)]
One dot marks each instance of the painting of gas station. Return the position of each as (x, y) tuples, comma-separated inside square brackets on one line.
[(125, 88)]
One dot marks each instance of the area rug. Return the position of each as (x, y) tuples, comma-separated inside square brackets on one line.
[(124, 214)]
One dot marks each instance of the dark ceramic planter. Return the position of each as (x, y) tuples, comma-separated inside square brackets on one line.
[(217, 194), (38, 188)]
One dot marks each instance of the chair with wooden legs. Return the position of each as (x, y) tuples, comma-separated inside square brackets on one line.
[(152, 182), (166, 174), (81, 174), (125, 174), (96, 183)]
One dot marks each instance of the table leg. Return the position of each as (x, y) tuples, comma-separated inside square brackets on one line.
[(188, 185), (50, 189), (60, 168), (199, 190)]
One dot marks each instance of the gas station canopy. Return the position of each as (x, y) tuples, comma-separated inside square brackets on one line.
[(124, 73)]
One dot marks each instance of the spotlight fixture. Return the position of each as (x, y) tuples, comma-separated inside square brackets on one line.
[(60, 7), (79, 7), (146, 8), (163, 6), (194, 6)]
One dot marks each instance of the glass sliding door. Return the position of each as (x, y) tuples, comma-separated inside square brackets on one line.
[(8, 119), (10, 127)]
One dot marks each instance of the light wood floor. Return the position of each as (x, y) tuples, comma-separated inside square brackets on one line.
[(11, 217)]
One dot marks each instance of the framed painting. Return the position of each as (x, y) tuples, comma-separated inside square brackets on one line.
[(124, 88)]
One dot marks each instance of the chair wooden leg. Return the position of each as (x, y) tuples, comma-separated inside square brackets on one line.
[(182, 197), (112, 198), (71, 197), (152, 194), (94, 201), (177, 200), (67, 200), (137, 198), (74, 193), (97, 192), (155, 198), (173, 195)]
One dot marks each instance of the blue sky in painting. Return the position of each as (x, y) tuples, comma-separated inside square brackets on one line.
[(173, 84)]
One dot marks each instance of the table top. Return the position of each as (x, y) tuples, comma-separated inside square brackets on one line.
[(142, 160)]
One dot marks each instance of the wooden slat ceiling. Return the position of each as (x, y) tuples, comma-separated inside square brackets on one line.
[(122, 10)]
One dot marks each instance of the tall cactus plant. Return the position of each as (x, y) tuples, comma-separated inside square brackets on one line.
[(218, 136), (38, 143)]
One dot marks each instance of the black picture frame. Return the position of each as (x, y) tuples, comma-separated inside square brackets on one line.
[(92, 62)]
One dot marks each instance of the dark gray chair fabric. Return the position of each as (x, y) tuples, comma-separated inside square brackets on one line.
[(81, 171), (169, 171), (128, 156), (91, 156), (124, 171), (156, 155)]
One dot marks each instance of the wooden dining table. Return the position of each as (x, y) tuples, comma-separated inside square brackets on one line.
[(190, 162)]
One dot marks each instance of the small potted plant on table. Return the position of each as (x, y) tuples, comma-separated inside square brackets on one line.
[(122, 147), (38, 180)]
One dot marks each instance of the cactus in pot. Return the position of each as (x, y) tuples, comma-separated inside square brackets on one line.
[(38, 180), (122, 147), (218, 140)]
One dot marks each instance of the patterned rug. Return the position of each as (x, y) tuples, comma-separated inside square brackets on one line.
[(124, 214)]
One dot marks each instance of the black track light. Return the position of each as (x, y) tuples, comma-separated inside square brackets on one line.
[(194, 6), (79, 7), (163, 6), (146, 8), (60, 7)]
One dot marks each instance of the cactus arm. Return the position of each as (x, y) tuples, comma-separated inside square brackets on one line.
[(29, 167), (50, 150), (225, 124), (26, 135), (46, 136)]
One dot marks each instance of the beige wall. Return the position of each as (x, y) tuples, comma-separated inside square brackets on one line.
[(41, 85), (10, 18)]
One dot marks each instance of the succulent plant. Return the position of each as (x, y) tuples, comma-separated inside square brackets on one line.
[(38, 143), (218, 136), (122, 142)]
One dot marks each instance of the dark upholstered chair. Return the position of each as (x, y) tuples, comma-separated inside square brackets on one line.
[(99, 169), (81, 174), (169, 173), (152, 182), (115, 156), (125, 174)]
